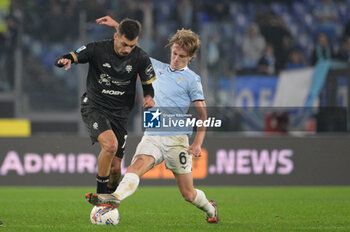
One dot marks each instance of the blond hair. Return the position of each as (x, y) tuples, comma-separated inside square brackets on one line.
[(187, 40)]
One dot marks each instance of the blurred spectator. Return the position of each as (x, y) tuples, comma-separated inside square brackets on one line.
[(267, 63), (94, 8), (185, 14), (295, 60), (214, 63), (326, 14), (54, 24), (253, 47), (344, 51), (214, 11), (213, 53), (287, 48), (8, 39), (147, 40), (130, 9), (347, 30), (164, 12), (276, 33), (323, 49), (221, 11)]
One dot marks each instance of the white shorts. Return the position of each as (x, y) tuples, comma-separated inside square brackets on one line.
[(171, 149)]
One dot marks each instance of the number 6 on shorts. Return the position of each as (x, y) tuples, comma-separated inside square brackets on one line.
[(182, 158)]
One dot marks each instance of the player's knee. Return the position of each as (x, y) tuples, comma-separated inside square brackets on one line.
[(188, 196), (111, 148)]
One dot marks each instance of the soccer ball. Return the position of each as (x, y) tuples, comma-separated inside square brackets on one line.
[(103, 215)]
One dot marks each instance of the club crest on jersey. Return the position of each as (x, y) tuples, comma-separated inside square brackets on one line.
[(105, 79), (128, 68)]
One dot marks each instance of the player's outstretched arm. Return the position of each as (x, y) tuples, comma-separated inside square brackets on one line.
[(196, 147), (108, 21)]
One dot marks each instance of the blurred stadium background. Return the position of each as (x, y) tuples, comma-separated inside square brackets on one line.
[(277, 73)]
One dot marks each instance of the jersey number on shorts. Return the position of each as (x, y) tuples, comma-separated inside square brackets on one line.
[(182, 158)]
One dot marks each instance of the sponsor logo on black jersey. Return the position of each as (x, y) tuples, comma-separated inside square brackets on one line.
[(121, 82), (112, 92), (107, 80)]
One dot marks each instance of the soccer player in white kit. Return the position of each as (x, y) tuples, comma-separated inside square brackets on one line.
[(175, 88)]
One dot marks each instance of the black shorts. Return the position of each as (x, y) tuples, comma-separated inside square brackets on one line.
[(98, 120)]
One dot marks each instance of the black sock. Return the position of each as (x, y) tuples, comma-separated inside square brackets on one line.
[(111, 190), (102, 184)]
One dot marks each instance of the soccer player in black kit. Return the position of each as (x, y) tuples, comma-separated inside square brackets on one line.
[(111, 82)]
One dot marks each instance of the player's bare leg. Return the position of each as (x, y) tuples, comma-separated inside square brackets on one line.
[(115, 174), (127, 186), (196, 196), (109, 147), (141, 165)]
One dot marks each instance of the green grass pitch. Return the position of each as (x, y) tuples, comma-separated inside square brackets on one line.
[(163, 209)]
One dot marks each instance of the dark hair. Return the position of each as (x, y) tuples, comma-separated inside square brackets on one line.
[(129, 28)]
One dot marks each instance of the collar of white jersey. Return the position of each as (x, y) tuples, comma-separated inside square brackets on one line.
[(173, 70)]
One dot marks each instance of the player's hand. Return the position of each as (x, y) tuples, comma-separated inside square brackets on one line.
[(65, 62), (148, 102), (108, 21), (195, 149)]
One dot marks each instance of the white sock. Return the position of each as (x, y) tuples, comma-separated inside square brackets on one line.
[(201, 202), (127, 186)]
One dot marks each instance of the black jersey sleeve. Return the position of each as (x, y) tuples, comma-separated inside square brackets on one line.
[(84, 54), (81, 55), (146, 71), (148, 90)]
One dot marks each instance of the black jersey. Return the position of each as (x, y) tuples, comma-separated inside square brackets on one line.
[(111, 80)]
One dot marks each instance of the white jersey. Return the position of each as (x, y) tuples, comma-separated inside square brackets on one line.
[(174, 91)]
